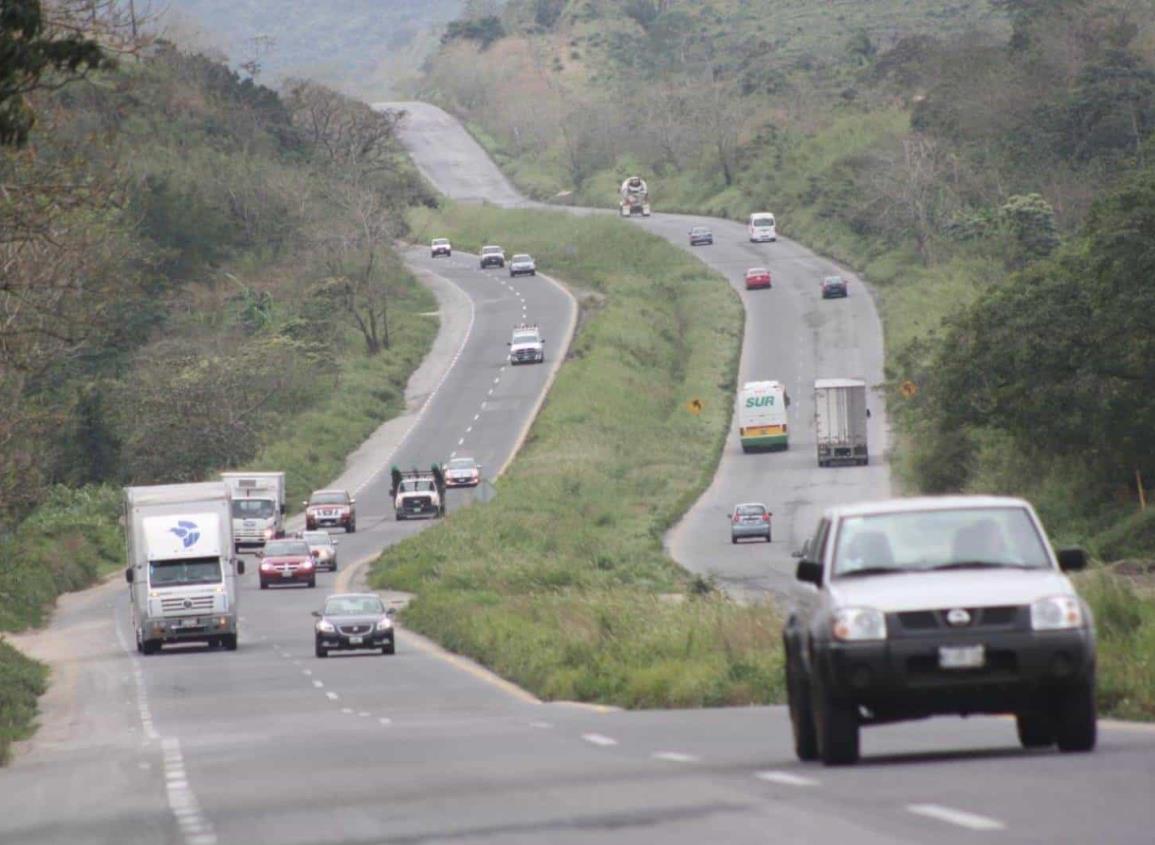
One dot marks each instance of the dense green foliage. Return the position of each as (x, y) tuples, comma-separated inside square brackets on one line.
[(21, 682), (560, 583)]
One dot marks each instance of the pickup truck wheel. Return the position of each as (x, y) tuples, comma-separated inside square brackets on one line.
[(352, 529), (150, 647), (1036, 730), (836, 727), (1075, 716), (801, 713), (229, 642), (400, 516)]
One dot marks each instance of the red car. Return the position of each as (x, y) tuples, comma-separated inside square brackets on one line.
[(757, 277), (287, 562), (331, 509)]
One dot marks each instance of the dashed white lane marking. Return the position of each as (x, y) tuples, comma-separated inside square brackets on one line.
[(599, 739), (675, 757), (786, 779), (197, 829), (319, 684), (496, 380), (453, 454), (385, 721), (476, 417), (468, 430), (971, 821), (541, 724), (306, 672), (491, 391), (362, 714), (348, 711), (332, 696), (461, 442)]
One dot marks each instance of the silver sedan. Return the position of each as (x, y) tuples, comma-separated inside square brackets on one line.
[(750, 520)]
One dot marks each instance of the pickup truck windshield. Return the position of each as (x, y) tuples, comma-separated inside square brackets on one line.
[(417, 486), (916, 541), (181, 573), (253, 508), (525, 337)]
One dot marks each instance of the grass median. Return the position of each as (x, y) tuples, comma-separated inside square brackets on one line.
[(560, 583)]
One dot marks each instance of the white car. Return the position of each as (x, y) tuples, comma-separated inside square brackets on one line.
[(527, 346), (522, 264), (492, 256), (762, 227), (440, 246), (935, 606), (462, 472)]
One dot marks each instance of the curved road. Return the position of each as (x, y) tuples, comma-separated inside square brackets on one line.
[(270, 745)]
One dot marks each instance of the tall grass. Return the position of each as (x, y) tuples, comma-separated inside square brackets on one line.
[(22, 681), (560, 583), (1125, 623)]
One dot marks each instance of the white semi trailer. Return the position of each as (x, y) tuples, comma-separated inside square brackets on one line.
[(840, 416), (181, 566)]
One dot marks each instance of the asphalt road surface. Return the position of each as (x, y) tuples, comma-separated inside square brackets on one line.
[(271, 745)]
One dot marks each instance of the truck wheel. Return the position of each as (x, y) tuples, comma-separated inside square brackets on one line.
[(1036, 730), (229, 642), (320, 650), (150, 647), (835, 726), (801, 712), (352, 529), (1075, 728)]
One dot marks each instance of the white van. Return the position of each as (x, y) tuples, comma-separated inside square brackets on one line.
[(762, 416), (762, 227)]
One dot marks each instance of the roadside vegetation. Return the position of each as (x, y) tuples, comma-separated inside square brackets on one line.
[(561, 583), (987, 166), (197, 275)]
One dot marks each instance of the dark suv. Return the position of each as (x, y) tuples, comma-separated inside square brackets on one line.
[(932, 606)]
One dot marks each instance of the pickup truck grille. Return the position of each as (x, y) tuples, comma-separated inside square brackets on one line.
[(935, 620), (177, 605), (525, 355), (417, 503)]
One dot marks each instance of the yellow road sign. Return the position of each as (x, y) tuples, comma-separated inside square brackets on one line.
[(695, 406), (908, 389)]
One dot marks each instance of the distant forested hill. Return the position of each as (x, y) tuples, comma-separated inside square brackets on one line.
[(362, 47)]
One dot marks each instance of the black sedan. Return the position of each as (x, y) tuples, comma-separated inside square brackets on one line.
[(701, 236), (354, 622)]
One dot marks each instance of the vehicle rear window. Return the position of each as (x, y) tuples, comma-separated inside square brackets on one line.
[(750, 510), (286, 547)]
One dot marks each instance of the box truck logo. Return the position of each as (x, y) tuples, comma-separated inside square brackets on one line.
[(187, 532)]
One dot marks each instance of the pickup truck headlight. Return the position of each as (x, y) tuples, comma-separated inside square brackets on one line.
[(326, 627), (1056, 613), (384, 624), (858, 624)]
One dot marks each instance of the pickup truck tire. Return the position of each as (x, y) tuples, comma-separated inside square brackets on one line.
[(352, 529), (801, 712), (150, 647), (836, 727), (1036, 730), (229, 642), (1075, 717), (400, 516)]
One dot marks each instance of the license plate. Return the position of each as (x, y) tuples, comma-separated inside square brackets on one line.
[(355, 640), (961, 657), (190, 623), (286, 574)]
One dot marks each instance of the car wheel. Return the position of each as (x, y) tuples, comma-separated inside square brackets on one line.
[(389, 649), (312, 582), (334, 568), (1036, 730), (801, 712), (835, 726), (150, 647), (320, 650), (352, 529), (733, 539), (400, 516), (1075, 717), (768, 537), (264, 585)]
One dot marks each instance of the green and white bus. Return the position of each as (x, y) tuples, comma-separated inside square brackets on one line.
[(762, 416)]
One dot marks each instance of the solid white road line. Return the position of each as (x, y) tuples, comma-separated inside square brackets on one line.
[(675, 757), (972, 821), (786, 779), (599, 739)]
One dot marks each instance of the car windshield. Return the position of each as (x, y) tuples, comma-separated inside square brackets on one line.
[(317, 538), (522, 258), (441, 242), (278, 548), (700, 231), (909, 541), (750, 510), (179, 573), (354, 606), (461, 463), (253, 508), (762, 222), (757, 271), (834, 280), (329, 499)]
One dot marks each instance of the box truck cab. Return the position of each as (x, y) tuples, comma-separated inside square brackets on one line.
[(762, 227), (840, 415), (258, 506), (762, 416), (181, 569)]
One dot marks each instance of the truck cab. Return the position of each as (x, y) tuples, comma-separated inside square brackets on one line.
[(526, 345), (258, 506), (418, 493)]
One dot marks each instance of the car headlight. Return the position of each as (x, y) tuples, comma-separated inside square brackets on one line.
[(856, 624), (384, 624), (326, 627), (1056, 613)]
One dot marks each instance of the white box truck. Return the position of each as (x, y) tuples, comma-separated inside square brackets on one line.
[(258, 506), (840, 421), (762, 416), (181, 569)]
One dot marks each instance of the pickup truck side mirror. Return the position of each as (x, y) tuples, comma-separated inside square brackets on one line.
[(129, 575), (1072, 560), (317, 613), (282, 510), (809, 572), (390, 612), (509, 343)]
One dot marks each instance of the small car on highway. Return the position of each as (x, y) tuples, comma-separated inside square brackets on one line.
[(934, 606), (462, 472), (323, 548), (757, 277), (353, 622), (331, 509), (751, 519), (492, 256), (833, 286), (287, 562), (440, 246), (701, 236), (522, 265)]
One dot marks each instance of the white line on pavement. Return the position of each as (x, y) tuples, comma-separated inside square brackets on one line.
[(319, 684), (675, 757), (385, 720), (540, 725), (786, 779), (332, 696), (957, 817), (599, 739)]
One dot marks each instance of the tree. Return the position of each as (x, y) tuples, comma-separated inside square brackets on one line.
[(363, 295), (32, 57)]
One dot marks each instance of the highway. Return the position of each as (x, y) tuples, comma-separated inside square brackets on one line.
[(271, 745)]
